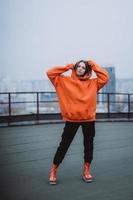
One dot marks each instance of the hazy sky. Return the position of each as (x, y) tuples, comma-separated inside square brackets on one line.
[(38, 34)]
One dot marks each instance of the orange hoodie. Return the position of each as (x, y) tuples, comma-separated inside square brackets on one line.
[(77, 97)]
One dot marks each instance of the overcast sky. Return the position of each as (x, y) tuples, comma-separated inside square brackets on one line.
[(38, 34)]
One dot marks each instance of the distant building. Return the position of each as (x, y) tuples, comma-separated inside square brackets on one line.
[(110, 87), (125, 85), (42, 86)]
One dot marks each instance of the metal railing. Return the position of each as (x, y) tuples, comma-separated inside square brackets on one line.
[(20, 106)]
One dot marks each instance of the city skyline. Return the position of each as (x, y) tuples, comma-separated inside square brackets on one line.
[(122, 86), (36, 35)]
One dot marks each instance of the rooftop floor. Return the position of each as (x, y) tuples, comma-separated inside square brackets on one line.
[(26, 154)]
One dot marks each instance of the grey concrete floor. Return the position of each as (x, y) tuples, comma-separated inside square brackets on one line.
[(26, 154)]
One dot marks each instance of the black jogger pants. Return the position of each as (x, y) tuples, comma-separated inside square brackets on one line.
[(70, 129)]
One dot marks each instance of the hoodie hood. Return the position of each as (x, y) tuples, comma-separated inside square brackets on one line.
[(82, 78)]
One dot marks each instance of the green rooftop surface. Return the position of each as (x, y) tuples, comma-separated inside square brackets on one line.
[(26, 154)]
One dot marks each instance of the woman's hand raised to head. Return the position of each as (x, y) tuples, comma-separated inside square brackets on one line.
[(70, 66)]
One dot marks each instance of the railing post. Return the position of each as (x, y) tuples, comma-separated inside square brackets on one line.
[(9, 108), (129, 109), (108, 104), (37, 106)]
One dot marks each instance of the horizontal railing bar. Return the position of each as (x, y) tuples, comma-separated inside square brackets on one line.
[(117, 102), (24, 92), (13, 102), (111, 93)]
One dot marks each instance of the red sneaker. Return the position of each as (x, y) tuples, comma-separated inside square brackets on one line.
[(52, 177), (86, 173)]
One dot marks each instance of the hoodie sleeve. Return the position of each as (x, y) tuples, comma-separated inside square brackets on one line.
[(55, 73), (102, 74)]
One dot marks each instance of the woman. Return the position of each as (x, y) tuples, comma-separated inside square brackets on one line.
[(77, 99)]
